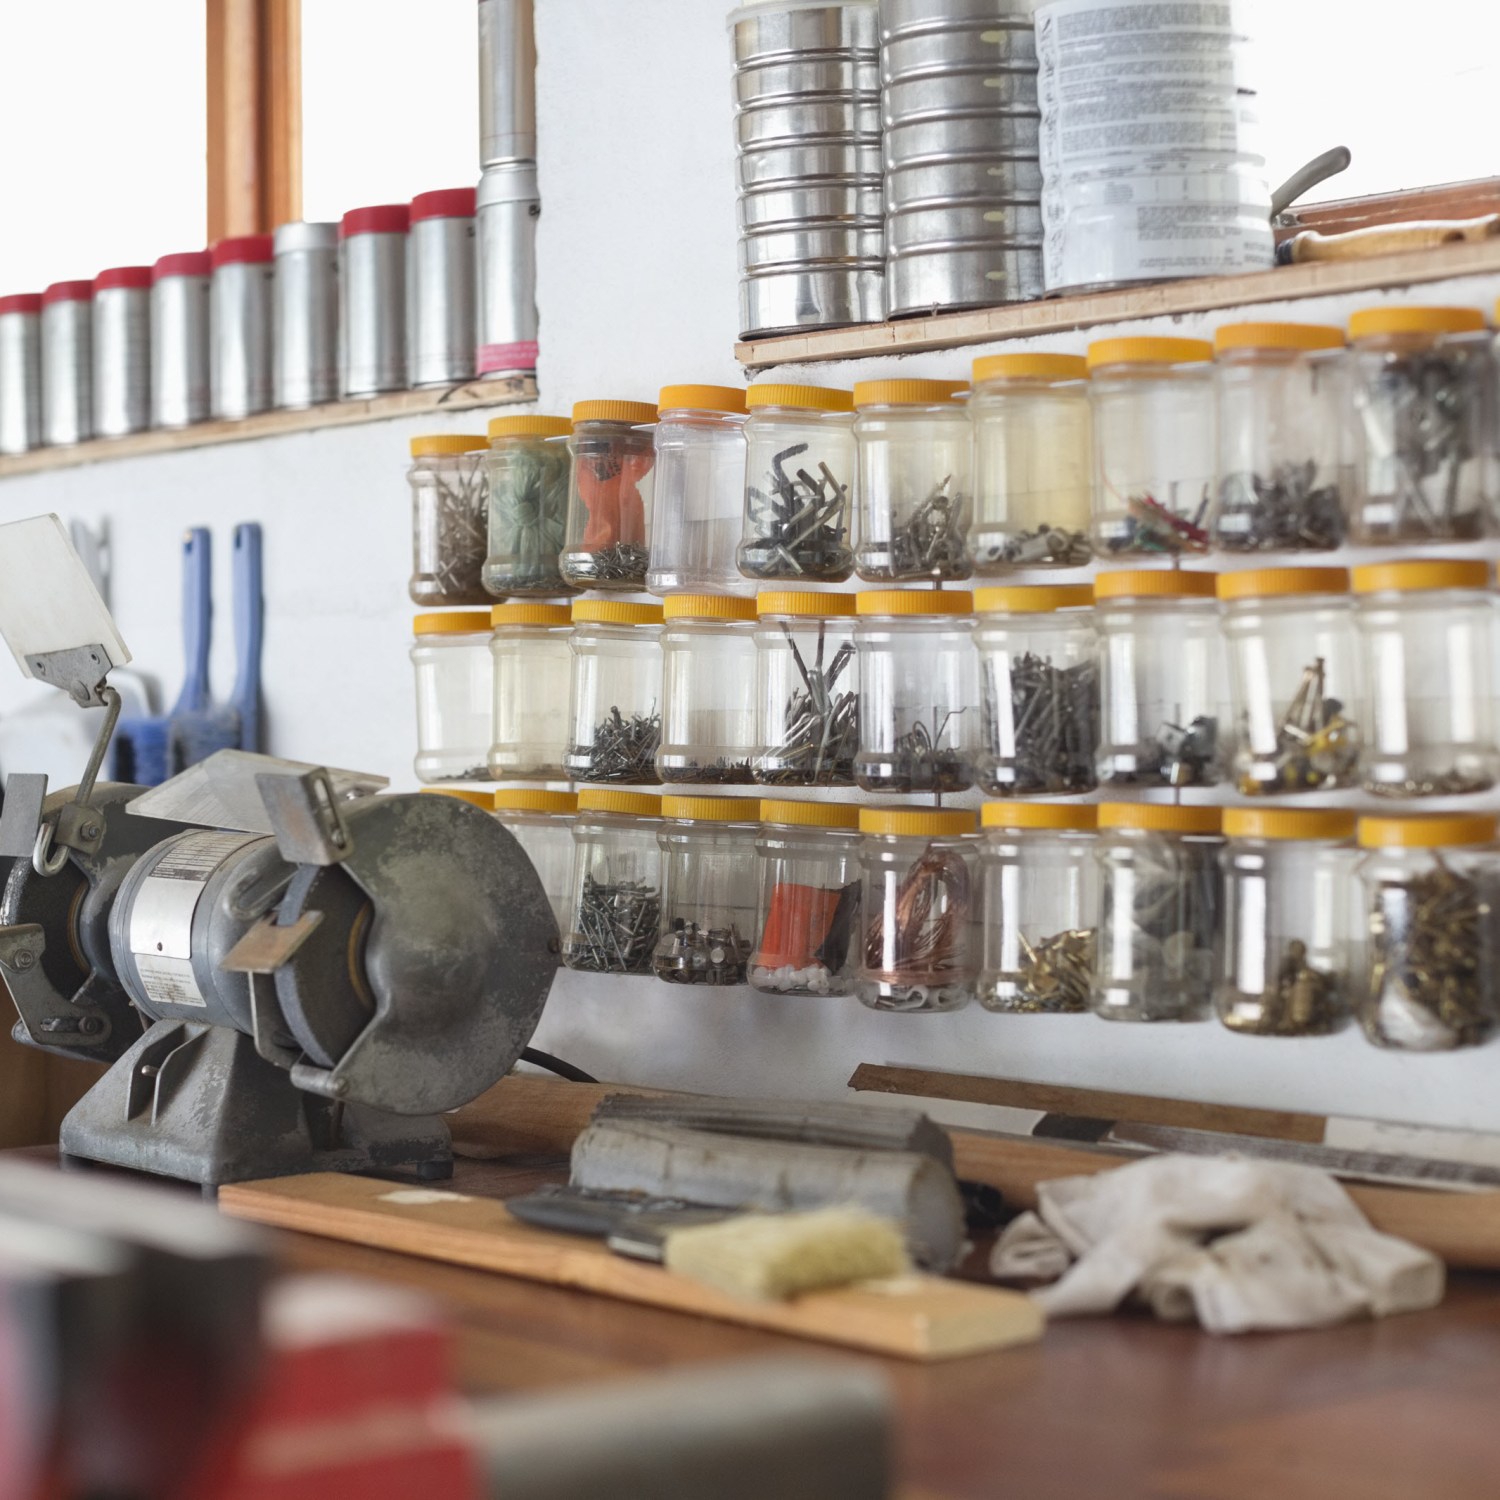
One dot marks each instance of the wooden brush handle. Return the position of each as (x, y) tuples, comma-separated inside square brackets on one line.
[(1386, 239)]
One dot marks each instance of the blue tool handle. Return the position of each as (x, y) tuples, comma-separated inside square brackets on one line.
[(197, 617), (249, 629)]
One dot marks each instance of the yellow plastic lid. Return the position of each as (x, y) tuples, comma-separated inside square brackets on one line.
[(1033, 599), (1287, 823), (615, 612), (708, 607), (809, 814), (1159, 817), (1160, 583), (807, 606), (535, 799), (530, 425), (1416, 577), (530, 614), (1039, 815), (913, 602), (1030, 367), (446, 444), (1434, 832), (604, 799), (1266, 583), (701, 398), (1149, 351), (463, 793), (452, 622), (636, 412), (1307, 336), (1373, 322), (906, 392), (712, 809), (917, 822), (800, 397)]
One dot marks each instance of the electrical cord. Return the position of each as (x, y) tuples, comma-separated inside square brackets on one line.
[(540, 1059)]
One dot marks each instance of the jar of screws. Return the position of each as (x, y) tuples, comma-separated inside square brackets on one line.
[(913, 480), (919, 948), (533, 664), (541, 822), (1291, 930), (1283, 464), (1153, 401), (700, 491), (707, 698), (1295, 679), (807, 698), (528, 505), (450, 657), (1033, 462), (614, 889), (616, 692), (918, 691), (1429, 890), (808, 917), (448, 519), (1162, 687), (799, 466), (1426, 632), (708, 889), (612, 458), (1038, 689), (1041, 907), (1159, 912), (1423, 391)]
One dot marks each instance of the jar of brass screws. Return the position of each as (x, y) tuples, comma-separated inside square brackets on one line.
[(1033, 462), (1295, 680), (528, 505), (708, 690), (1162, 679), (919, 909), (1283, 466), (799, 468), (1041, 907), (450, 658), (448, 520), (806, 690), (1038, 690), (914, 486), (808, 916), (1291, 949), (1425, 628), (541, 822), (612, 458), (709, 889), (614, 890), (533, 668), (616, 692), (1160, 908), (1422, 385), (1153, 401), (918, 691), (1429, 899)]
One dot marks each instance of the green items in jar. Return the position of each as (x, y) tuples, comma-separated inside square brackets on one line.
[(528, 468)]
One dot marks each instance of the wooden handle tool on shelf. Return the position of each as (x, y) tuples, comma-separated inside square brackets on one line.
[(1384, 239)]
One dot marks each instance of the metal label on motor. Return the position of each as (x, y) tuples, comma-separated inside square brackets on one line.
[(169, 981)]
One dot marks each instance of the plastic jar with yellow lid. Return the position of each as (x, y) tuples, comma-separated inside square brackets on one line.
[(616, 692), (806, 689), (709, 889), (449, 509), (533, 676), (614, 887), (541, 822), (454, 673), (527, 465), (612, 458), (708, 690)]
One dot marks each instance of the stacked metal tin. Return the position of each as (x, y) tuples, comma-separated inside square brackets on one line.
[(807, 131), (963, 181)]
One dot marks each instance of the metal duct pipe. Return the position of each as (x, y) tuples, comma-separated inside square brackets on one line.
[(507, 82)]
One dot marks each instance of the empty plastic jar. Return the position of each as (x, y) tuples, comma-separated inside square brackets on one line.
[(700, 490), (541, 822), (533, 681), (449, 516), (1033, 462), (1295, 676), (919, 909), (614, 892), (616, 692), (914, 484), (1163, 697), (806, 690), (1160, 904), (527, 475), (799, 471), (1422, 383), (451, 658), (708, 690), (1283, 465), (1038, 689), (1041, 906), (709, 889), (1430, 889), (610, 483), (1153, 402), (808, 917), (1426, 632)]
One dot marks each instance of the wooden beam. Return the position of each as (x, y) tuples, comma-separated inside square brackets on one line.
[(281, 111)]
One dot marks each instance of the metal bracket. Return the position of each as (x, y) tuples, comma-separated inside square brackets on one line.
[(80, 672), (265, 947), (305, 817), (78, 825), (79, 1028)]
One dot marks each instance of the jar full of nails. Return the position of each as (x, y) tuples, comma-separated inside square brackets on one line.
[(709, 889), (707, 690), (614, 889), (527, 469), (448, 520), (616, 692), (610, 482)]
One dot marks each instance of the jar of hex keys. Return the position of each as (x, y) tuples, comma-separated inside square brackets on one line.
[(450, 658), (808, 917), (448, 520), (1429, 887), (1291, 937), (708, 699), (807, 690), (533, 668), (614, 887), (616, 692), (527, 467), (709, 889), (541, 822), (610, 476)]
